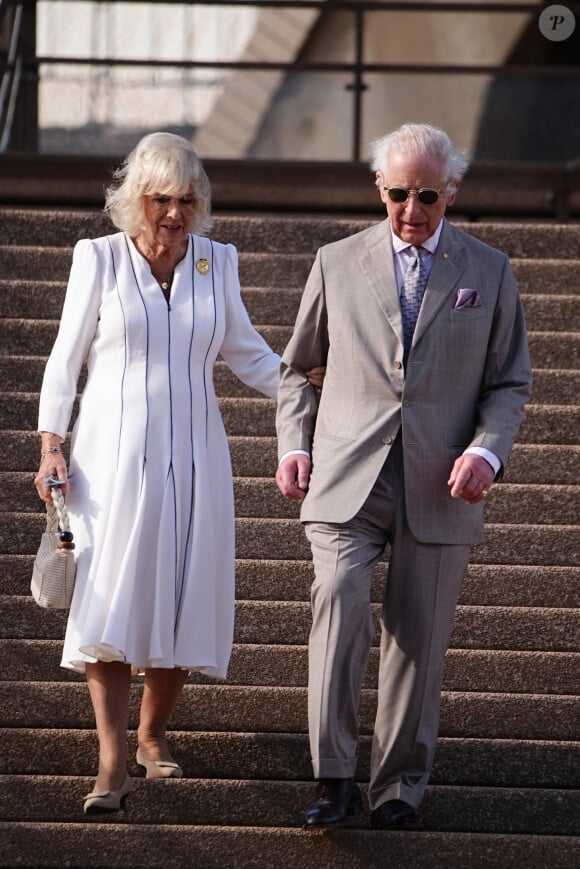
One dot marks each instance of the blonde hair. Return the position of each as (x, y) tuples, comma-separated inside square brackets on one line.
[(421, 140), (160, 163)]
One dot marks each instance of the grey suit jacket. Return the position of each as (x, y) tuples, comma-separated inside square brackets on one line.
[(467, 380)]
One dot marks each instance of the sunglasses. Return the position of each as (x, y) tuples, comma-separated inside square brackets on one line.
[(425, 195)]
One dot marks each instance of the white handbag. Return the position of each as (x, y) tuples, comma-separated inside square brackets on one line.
[(53, 574)]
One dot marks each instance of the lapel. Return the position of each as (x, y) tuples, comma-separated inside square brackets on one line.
[(448, 265), (377, 264)]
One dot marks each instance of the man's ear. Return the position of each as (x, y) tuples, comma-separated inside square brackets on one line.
[(380, 183), (452, 187)]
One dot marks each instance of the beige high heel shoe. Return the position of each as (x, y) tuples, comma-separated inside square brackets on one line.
[(159, 768), (107, 801)]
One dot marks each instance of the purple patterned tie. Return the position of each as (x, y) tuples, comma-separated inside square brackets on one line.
[(412, 296)]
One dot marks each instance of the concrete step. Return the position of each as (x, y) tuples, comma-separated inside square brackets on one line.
[(548, 289), (282, 803), (549, 424), (507, 544), (554, 350), (32, 310), (282, 538), (62, 228), (550, 386), (560, 313), (558, 351), (257, 456), (548, 276), (254, 497), (289, 269), (271, 232), (547, 629), (250, 709), (259, 497), (287, 667), (285, 756), (24, 374), (142, 846), (43, 300), (542, 424), (278, 305), (20, 337), (490, 585), (24, 294)]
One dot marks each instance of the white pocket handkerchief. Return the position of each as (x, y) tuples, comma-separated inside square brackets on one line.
[(468, 298)]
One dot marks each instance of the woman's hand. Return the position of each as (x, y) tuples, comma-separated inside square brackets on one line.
[(52, 463), (316, 377)]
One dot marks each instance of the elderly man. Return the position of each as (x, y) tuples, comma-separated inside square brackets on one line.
[(423, 335)]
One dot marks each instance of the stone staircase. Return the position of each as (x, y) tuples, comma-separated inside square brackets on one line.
[(505, 788)]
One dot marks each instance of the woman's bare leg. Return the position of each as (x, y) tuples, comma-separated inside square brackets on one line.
[(109, 686), (161, 692)]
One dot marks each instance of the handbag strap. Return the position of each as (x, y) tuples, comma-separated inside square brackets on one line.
[(56, 512)]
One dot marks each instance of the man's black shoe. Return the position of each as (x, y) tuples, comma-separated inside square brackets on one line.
[(336, 799), (396, 815)]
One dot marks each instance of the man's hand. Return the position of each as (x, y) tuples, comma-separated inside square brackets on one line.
[(293, 475), (316, 377), (471, 478)]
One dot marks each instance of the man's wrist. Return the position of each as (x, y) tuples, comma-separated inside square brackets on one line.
[(489, 457), (294, 453)]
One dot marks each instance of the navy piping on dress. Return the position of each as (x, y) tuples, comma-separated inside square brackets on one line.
[(146, 359), (124, 347), (170, 470), (212, 272), (179, 595)]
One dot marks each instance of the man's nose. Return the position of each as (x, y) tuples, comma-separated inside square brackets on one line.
[(412, 204)]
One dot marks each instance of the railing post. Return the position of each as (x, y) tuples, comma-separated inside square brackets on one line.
[(357, 86), (25, 125)]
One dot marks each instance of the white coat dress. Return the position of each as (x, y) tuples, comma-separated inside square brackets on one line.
[(151, 501)]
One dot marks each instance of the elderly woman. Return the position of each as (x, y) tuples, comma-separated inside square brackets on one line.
[(150, 498)]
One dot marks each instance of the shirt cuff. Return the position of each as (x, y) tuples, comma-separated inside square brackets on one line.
[(294, 453), (488, 456)]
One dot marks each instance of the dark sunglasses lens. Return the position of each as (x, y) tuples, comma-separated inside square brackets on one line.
[(428, 197), (397, 194)]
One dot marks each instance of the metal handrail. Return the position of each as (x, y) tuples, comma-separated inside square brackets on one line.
[(11, 72), (358, 68)]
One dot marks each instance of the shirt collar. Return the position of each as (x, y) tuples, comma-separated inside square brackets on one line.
[(430, 244)]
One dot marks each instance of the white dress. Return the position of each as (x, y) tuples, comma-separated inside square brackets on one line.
[(151, 502)]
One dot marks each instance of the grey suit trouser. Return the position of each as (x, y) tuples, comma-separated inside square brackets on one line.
[(418, 606)]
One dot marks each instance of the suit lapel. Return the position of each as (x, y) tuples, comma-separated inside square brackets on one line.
[(377, 265), (445, 273)]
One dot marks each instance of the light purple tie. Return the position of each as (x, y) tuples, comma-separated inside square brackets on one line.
[(412, 296)]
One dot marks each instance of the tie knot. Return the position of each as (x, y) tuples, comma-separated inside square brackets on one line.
[(416, 251)]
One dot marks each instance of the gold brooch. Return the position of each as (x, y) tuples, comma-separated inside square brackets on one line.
[(202, 266)]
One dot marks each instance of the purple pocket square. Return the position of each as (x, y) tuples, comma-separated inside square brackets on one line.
[(468, 298)]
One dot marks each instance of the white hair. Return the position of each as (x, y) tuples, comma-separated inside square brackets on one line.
[(422, 140), (160, 163)]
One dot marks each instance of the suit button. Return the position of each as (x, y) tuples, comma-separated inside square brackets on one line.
[(387, 440), (398, 364)]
